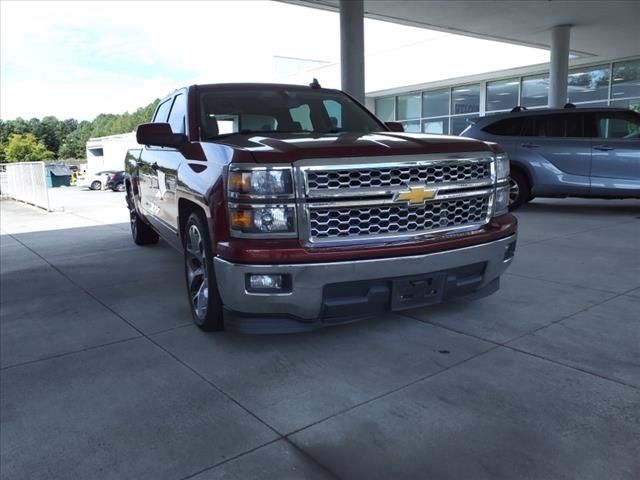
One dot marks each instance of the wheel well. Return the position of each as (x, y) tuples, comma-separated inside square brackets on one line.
[(523, 171), (186, 208)]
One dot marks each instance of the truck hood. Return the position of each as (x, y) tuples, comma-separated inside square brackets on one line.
[(289, 147)]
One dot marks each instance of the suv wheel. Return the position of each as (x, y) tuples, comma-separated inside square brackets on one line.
[(204, 300), (96, 185), (142, 233), (120, 187), (519, 190)]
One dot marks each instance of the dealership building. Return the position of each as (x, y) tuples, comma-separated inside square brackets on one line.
[(593, 58), (446, 107)]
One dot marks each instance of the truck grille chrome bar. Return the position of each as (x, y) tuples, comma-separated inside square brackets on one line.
[(344, 201), (396, 176), (385, 220)]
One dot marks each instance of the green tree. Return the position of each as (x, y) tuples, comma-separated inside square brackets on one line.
[(74, 144), (26, 148), (67, 138)]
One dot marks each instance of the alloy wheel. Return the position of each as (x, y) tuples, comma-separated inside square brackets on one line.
[(514, 191), (133, 221), (197, 278)]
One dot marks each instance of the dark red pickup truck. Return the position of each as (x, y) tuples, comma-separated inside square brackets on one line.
[(296, 208)]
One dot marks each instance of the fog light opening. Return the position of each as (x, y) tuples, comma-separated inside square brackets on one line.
[(268, 283), (510, 252)]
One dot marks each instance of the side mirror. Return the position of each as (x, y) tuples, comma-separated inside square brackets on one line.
[(159, 135), (394, 126)]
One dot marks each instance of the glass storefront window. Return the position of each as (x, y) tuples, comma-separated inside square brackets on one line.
[(409, 106), (439, 126), (601, 103), (535, 91), (435, 103), (465, 99), (587, 84), (458, 124), (630, 103), (502, 95), (386, 109), (412, 126), (625, 79)]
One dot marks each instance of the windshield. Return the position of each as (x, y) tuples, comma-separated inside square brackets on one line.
[(269, 110)]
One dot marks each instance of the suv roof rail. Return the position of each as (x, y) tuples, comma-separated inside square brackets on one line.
[(569, 105), (519, 108)]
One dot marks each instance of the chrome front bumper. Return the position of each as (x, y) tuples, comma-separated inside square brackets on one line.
[(305, 301)]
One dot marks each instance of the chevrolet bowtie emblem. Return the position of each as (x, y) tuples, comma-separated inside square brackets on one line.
[(416, 195)]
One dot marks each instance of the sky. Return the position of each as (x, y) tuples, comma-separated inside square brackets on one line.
[(79, 59)]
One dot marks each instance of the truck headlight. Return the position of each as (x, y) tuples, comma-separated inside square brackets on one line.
[(263, 219), (261, 181), (502, 167), (262, 201)]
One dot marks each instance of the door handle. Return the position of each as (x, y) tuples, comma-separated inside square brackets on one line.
[(603, 148), (154, 165), (530, 145)]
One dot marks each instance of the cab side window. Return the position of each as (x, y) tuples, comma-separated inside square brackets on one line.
[(177, 115), (162, 112)]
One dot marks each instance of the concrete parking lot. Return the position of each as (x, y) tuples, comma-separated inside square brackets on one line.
[(103, 375)]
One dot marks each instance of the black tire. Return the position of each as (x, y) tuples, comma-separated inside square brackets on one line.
[(120, 188), (142, 233), (202, 289), (96, 185), (519, 191)]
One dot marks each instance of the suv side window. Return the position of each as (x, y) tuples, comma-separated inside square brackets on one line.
[(162, 112), (178, 111), (617, 125), (511, 127), (557, 126)]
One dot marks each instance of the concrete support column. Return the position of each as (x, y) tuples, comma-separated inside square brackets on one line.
[(559, 66), (352, 47)]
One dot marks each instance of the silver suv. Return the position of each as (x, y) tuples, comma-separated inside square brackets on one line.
[(570, 152)]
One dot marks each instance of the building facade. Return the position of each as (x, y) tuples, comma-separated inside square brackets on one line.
[(441, 108)]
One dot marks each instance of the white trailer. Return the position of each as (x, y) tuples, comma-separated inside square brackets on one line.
[(108, 153)]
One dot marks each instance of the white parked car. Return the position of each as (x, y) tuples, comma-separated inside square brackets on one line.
[(94, 181)]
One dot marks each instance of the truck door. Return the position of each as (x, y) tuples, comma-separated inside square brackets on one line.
[(147, 177), (555, 145), (615, 168)]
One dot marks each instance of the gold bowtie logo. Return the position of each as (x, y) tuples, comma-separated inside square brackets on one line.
[(416, 195)]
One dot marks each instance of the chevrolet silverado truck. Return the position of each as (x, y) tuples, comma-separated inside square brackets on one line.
[(296, 208)]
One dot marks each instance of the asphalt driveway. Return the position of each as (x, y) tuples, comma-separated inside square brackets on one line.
[(103, 375)]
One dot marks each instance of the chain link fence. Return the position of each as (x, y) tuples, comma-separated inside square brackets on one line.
[(26, 182)]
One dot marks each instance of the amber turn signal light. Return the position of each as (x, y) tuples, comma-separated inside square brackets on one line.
[(241, 219)]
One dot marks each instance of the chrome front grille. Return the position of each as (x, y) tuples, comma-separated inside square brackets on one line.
[(385, 220), (348, 200), (397, 176)]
